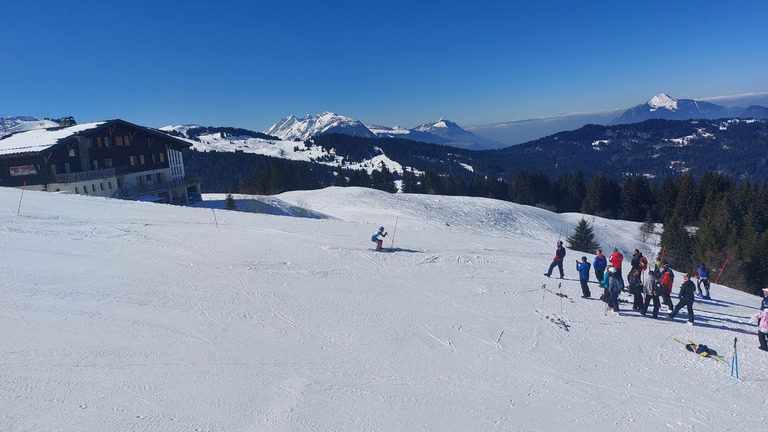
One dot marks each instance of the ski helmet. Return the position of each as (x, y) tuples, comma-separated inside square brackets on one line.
[(381, 228), (559, 243)]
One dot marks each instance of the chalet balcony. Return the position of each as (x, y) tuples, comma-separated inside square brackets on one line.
[(82, 176)]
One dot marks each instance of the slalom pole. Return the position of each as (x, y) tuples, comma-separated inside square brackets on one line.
[(734, 360), (721, 270), (214, 218), (22, 196), (391, 246), (662, 254)]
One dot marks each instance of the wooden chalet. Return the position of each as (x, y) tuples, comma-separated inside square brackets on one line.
[(112, 158)]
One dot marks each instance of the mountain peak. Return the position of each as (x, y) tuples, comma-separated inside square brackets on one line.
[(662, 100), (292, 128)]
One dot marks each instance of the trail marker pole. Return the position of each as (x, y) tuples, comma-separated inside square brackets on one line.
[(214, 218), (391, 246), (22, 196), (721, 270), (735, 360)]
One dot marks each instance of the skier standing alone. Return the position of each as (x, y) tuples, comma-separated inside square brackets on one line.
[(557, 261), (378, 238), (583, 269), (703, 279)]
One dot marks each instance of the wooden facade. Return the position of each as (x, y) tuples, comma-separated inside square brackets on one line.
[(113, 158)]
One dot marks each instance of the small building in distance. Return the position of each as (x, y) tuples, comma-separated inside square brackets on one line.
[(112, 158)]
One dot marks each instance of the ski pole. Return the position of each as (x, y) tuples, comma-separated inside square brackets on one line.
[(735, 360)]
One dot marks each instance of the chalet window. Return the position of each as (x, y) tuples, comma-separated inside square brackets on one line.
[(93, 188), (77, 190), (101, 185), (141, 159), (132, 160), (119, 141), (72, 153), (107, 163), (162, 157), (158, 178), (127, 140), (95, 164), (99, 142), (109, 185), (91, 144)]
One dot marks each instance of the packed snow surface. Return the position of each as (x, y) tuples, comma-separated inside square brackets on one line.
[(120, 315)]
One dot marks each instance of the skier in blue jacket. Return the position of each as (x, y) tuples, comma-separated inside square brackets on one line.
[(378, 238), (583, 269), (599, 265), (703, 278)]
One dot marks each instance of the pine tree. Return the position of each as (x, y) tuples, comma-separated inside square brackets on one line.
[(677, 244), (583, 238), (229, 204)]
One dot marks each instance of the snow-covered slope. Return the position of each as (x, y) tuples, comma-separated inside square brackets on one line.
[(9, 125), (285, 149), (134, 316)]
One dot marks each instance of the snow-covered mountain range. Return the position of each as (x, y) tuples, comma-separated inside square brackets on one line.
[(660, 106), (489, 136), (442, 131)]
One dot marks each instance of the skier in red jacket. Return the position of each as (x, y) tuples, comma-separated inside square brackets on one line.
[(557, 261), (616, 260)]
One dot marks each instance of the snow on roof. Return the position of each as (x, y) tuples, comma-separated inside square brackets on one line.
[(40, 139)]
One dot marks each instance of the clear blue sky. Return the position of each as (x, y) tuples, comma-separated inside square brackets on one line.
[(250, 63)]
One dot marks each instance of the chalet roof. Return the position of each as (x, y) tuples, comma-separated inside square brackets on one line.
[(39, 140)]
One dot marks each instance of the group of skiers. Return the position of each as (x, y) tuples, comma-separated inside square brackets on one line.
[(656, 288)]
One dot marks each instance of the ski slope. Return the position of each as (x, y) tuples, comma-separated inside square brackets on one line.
[(120, 315)]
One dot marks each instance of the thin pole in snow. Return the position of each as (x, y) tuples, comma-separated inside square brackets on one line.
[(214, 218), (721, 271), (393, 233), (22, 196)]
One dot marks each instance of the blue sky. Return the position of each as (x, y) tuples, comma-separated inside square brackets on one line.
[(250, 63)]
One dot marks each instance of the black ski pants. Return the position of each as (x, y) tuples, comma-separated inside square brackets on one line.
[(684, 302), (584, 288), (656, 305), (559, 265)]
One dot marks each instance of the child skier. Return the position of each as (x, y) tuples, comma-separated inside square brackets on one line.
[(378, 238)]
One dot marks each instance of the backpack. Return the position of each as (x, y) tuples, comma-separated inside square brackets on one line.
[(643, 263)]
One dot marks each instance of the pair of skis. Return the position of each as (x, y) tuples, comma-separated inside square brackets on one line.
[(552, 317), (694, 345)]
